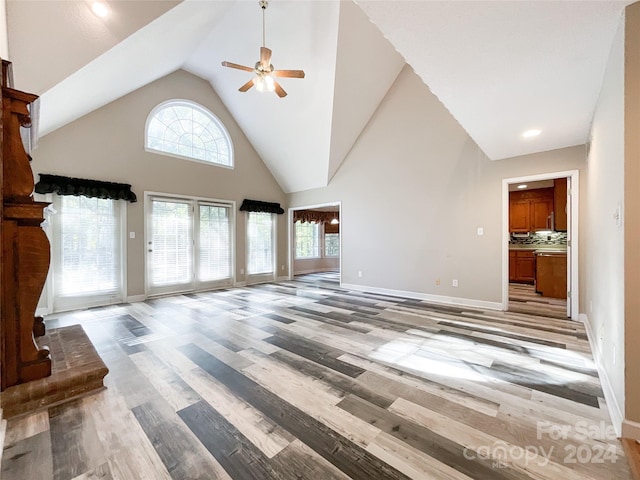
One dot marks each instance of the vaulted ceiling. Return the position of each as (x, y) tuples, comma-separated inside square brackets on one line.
[(499, 67)]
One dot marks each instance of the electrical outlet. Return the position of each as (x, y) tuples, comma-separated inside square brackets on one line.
[(132, 234), (359, 274), (242, 271), (480, 231), (454, 283), (437, 281), (282, 267)]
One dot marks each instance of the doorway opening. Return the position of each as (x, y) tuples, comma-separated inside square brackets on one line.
[(540, 247), (315, 243)]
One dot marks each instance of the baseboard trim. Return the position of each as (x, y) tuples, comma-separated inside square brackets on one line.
[(440, 299), (615, 412), (42, 311), (136, 298), (283, 278), (315, 270), (240, 284), (631, 429)]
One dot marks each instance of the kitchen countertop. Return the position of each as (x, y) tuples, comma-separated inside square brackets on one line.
[(540, 248)]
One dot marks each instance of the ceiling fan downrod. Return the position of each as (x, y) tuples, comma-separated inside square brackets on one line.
[(263, 5)]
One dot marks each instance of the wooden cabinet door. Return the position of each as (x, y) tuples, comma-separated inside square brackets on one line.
[(512, 267), (519, 213), (560, 204), (552, 275), (525, 267), (541, 209)]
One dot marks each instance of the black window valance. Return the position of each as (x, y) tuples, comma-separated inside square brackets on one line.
[(257, 206), (82, 186)]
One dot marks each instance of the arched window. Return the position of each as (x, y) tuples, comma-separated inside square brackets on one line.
[(185, 129)]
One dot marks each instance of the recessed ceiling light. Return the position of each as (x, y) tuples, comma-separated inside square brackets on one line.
[(522, 186), (531, 133), (100, 9)]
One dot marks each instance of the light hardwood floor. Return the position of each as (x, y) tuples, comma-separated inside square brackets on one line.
[(524, 299), (302, 379)]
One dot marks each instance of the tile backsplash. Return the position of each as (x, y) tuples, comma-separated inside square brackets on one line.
[(555, 238)]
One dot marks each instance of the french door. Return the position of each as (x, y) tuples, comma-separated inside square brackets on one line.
[(189, 244)]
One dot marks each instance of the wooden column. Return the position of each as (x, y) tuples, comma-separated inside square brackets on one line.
[(25, 248)]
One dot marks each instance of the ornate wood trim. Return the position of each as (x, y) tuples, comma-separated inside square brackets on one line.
[(25, 248)]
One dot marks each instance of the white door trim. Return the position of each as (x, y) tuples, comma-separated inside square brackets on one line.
[(575, 189), (291, 233)]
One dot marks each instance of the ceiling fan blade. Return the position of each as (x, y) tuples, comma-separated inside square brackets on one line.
[(279, 90), (246, 86), (265, 57), (288, 73), (235, 65)]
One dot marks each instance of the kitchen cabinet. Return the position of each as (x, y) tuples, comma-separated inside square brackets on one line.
[(522, 266), (530, 210), (551, 274), (541, 209), (519, 216), (560, 204), (512, 266)]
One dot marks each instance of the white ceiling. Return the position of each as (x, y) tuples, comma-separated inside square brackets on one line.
[(500, 67), (504, 67)]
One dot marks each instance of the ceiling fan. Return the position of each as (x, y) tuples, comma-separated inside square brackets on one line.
[(265, 73)]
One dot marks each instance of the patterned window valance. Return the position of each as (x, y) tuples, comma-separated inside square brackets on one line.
[(82, 186), (258, 206), (313, 216)]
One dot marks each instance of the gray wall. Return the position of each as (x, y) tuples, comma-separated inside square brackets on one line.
[(108, 144), (417, 172)]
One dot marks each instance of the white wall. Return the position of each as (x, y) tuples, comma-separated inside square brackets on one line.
[(310, 265), (631, 427), (604, 268), (4, 36), (415, 170), (108, 144)]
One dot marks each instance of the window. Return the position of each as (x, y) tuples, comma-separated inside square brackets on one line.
[(188, 130), (215, 243), (189, 244), (331, 244), (307, 240), (87, 252), (260, 243), (170, 243)]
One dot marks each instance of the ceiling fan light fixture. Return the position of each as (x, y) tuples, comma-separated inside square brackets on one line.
[(264, 83)]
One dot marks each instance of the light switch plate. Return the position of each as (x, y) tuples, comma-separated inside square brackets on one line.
[(480, 231)]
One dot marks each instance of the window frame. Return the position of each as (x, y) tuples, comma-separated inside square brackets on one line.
[(214, 118), (324, 245), (50, 303), (196, 285), (268, 276), (319, 237)]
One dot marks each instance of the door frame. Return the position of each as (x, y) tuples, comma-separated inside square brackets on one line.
[(194, 285), (291, 234), (572, 234)]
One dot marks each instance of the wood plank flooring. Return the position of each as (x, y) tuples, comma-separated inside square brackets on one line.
[(524, 299), (302, 379)]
